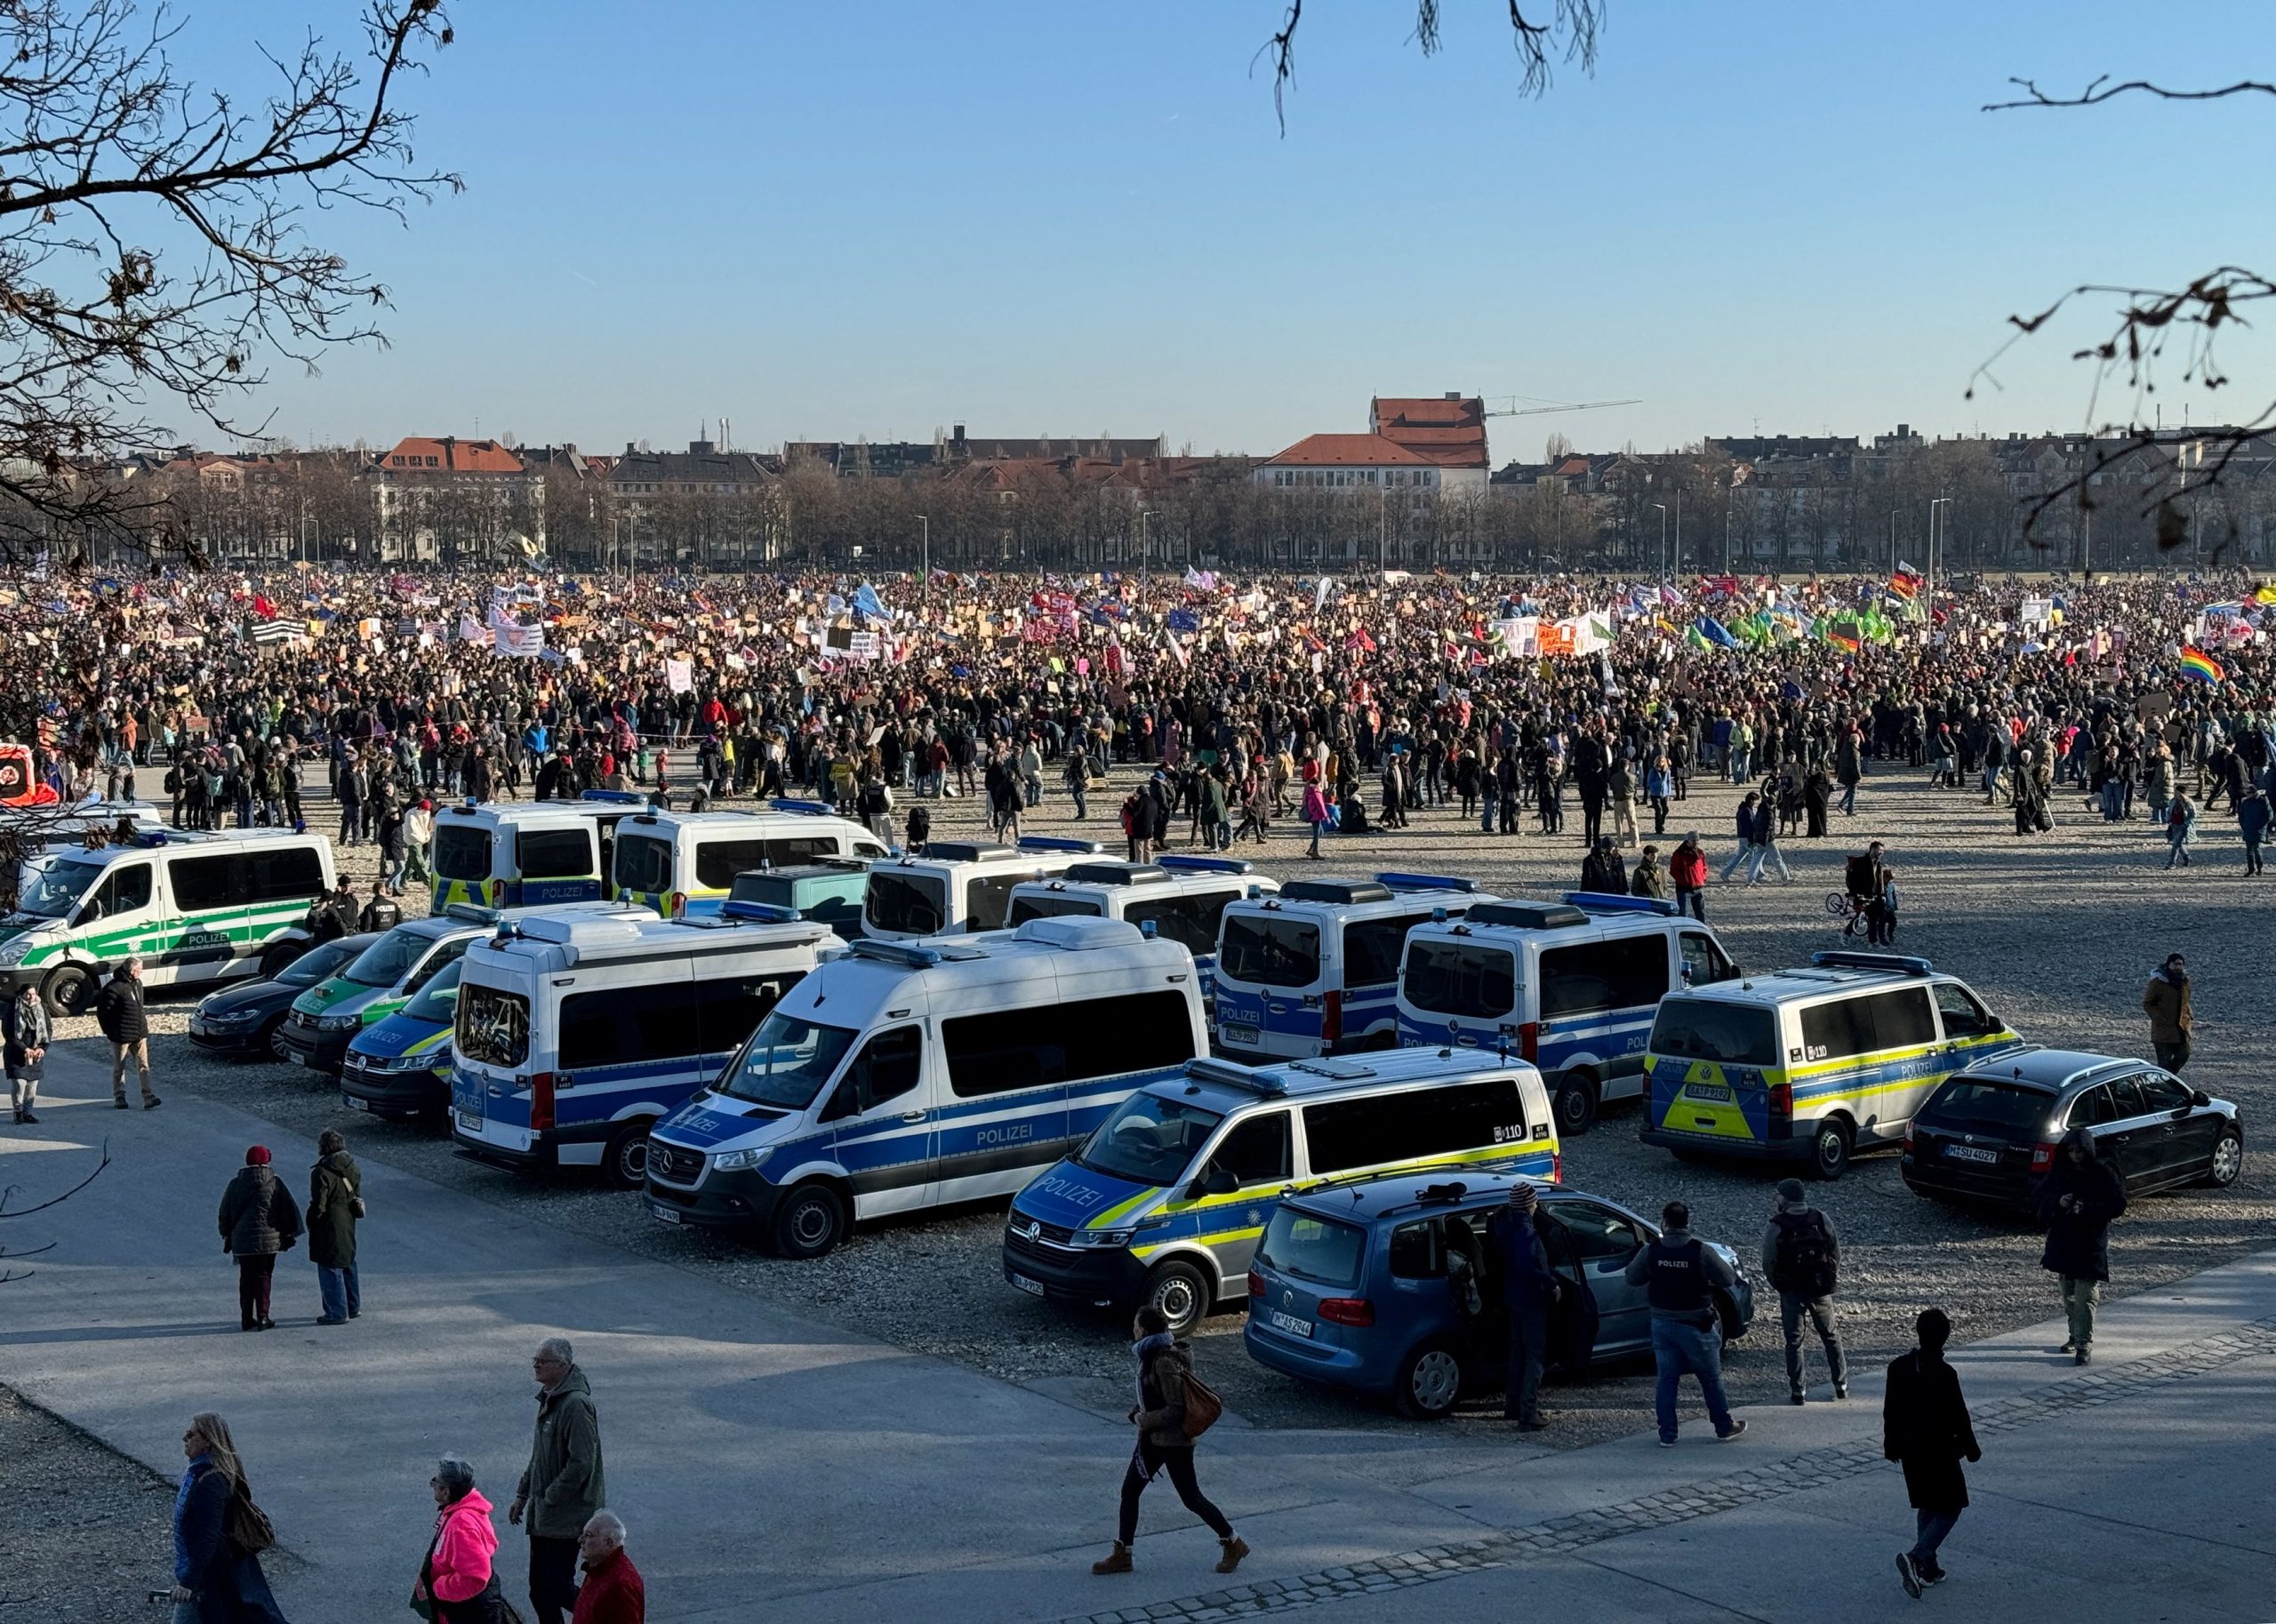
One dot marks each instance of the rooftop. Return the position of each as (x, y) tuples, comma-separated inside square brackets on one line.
[(1347, 451)]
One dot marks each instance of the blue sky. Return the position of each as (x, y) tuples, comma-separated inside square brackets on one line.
[(879, 216)]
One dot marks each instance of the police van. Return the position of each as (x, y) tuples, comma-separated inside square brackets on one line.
[(1570, 986), (1181, 898), (955, 888), (830, 891), (1811, 1065), (904, 1076), (1165, 1203), (575, 1031), (685, 864), (373, 985), (526, 853), (1315, 969), (194, 906)]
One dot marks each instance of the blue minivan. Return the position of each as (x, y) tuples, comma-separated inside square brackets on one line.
[(1355, 1286)]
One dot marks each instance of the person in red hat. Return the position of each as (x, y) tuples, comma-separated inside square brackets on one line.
[(259, 1219)]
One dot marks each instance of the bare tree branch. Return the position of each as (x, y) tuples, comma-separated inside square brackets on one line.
[(2102, 89), (9, 1276), (1573, 31)]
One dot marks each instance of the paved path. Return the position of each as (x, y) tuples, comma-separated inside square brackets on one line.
[(770, 1463)]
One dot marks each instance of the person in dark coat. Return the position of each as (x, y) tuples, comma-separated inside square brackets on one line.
[(2076, 1201), (1602, 869), (259, 1219), (118, 1011), (1528, 1292), (1925, 1427), (335, 1204), (215, 1582), (1159, 1416)]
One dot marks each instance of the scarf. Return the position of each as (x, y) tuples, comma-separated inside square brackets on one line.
[(1146, 1348)]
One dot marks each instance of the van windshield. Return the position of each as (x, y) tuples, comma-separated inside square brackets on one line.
[(387, 960), (643, 863), (439, 997), (786, 1061), (56, 889), (908, 904), (1454, 978), (1149, 1141), (1707, 1030), (492, 1027), (1267, 950), (461, 851)]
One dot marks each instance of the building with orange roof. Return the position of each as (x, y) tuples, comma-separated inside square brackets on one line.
[(1448, 431), (439, 497), (1347, 462)]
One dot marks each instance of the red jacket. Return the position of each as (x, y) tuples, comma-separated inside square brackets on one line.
[(611, 1592), (1689, 872)]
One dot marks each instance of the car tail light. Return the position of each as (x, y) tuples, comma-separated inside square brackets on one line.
[(1529, 1040), (1908, 1139), (1255, 1284), (2042, 1156), (678, 906), (541, 1102), (1331, 1017), (1347, 1311), (1781, 1100)]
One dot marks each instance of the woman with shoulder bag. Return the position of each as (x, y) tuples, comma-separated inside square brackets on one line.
[(219, 1535), (1168, 1421), (457, 1582)]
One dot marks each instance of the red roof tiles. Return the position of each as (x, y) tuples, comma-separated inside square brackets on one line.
[(1347, 451)]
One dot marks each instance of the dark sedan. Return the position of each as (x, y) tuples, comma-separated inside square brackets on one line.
[(1988, 1134), (244, 1018)]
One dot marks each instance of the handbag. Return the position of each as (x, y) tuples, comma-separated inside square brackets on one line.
[(247, 1527), (1202, 1406)]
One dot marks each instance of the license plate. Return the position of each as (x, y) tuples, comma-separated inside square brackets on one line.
[(1708, 1091), (1288, 1322), (1033, 1288), (354, 1103), (1238, 1033), (1969, 1152), (662, 1213), (471, 1121)]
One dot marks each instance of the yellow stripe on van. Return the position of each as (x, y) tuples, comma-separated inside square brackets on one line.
[(1105, 1221)]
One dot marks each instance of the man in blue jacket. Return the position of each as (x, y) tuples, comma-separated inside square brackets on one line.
[(1528, 1291)]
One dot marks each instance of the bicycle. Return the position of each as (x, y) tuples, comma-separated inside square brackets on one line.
[(1850, 910)]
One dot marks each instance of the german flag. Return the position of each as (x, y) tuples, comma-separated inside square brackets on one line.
[(1906, 583)]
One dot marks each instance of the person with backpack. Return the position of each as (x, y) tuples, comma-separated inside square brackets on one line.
[(1925, 1429), (1168, 1421), (1801, 1259)]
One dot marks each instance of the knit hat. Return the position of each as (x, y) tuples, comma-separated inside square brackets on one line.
[(258, 1156), (1790, 1191), (1523, 1197)]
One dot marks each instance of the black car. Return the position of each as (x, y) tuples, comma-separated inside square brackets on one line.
[(244, 1018), (1988, 1134)]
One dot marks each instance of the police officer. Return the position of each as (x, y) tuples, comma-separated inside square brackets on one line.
[(1801, 1257), (1680, 1274)]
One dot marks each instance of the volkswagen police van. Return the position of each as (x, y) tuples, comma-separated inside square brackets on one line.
[(1315, 969), (955, 888), (901, 1075), (373, 985), (1570, 986), (576, 1031), (685, 864), (1164, 1203), (1811, 1065), (1181, 898), (527, 853), (194, 906)]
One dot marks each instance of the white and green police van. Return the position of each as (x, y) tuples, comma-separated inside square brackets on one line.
[(194, 906)]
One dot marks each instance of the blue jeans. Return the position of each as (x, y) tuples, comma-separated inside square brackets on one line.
[(1931, 1528), (343, 1295), (1485, 819), (1850, 799), (1677, 1347)]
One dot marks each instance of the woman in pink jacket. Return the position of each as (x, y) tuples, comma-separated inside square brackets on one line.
[(456, 1583)]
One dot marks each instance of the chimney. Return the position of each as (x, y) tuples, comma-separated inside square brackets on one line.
[(1453, 394), (630, 449)]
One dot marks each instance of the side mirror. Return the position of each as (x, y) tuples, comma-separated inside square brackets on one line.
[(2198, 1097), (1214, 1181), (843, 1103)]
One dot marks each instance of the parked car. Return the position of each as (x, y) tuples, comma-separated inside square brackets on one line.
[(400, 1069), (1990, 1134), (1350, 1288), (243, 1020)]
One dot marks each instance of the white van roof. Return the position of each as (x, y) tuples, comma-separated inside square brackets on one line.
[(1391, 891), (593, 803), (1230, 1081), (566, 939), (1597, 912), (1827, 972)]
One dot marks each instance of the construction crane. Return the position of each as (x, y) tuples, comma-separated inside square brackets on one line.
[(1547, 407)]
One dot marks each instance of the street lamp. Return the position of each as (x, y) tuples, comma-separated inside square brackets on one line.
[(925, 543), (1662, 511), (1382, 539), (1934, 541), (1143, 513)]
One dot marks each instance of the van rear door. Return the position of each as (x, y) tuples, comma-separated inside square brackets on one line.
[(1710, 1069), (1272, 976)]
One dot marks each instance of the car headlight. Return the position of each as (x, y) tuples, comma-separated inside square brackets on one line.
[(1121, 1237), (13, 950), (739, 1161), (230, 1018), (338, 1023)]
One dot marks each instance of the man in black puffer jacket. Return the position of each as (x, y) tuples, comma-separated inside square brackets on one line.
[(2076, 1201), (118, 1011)]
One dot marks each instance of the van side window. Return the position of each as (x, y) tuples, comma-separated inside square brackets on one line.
[(553, 854), (622, 1026), (1901, 1019), (889, 1066), (1406, 1127), (987, 898), (1703, 961), (286, 876), (1964, 1017), (125, 888), (787, 850), (1004, 1050), (1618, 974), (1837, 1030), (1191, 922), (1256, 1151), (719, 861), (200, 883), (729, 1009), (1372, 949)]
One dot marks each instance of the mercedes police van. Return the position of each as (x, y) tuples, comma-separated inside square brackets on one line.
[(574, 1031), (1315, 969), (1811, 1065), (193, 904), (526, 853), (1164, 1203), (901, 1075), (1181, 898), (954, 888), (1570, 986), (685, 864)]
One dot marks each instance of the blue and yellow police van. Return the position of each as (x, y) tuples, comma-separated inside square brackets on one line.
[(527, 853)]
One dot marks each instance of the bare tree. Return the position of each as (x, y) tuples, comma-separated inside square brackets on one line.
[(9, 1208), (153, 238), (1567, 29)]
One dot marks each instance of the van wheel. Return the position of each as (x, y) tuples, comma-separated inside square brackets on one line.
[(1181, 1293), (70, 990), (1829, 1148), (1576, 1104), (279, 959), (624, 1164), (809, 1222), (1430, 1381)]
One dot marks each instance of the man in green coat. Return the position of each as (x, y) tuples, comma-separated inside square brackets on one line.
[(335, 1204), (562, 1486)]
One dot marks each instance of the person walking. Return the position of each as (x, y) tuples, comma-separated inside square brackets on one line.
[(419, 843), (458, 1578), (2165, 1002), (563, 1486), (1314, 810), (1687, 871), (2077, 1199), (335, 1205), (613, 1592), (1926, 1429), (219, 1534), (1164, 1367), (1747, 829), (2253, 815), (1529, 1291), (2181, 829), (1680, 1274), (24, 1025), (126, 1027), (258, 1219), (1881, 913), (1801, 1259)]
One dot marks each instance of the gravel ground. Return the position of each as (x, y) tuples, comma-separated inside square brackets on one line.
[(86, 1529), (2057, 932)]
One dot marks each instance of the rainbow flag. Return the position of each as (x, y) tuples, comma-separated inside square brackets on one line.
[(2201, 666)]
